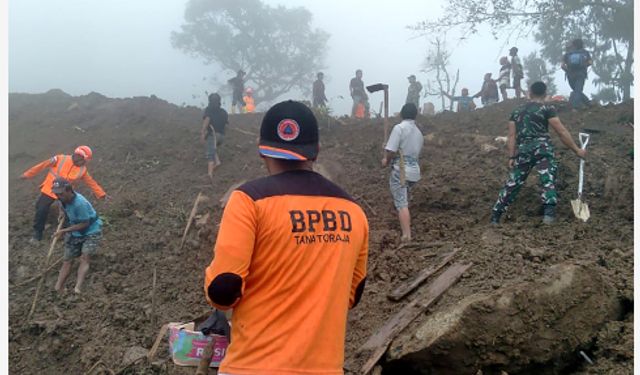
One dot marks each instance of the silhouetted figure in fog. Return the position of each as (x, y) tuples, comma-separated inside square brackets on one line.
[(575, 64), (318, 97), (214, 122), (413, 92), (488, 93), (359, 96), (504, 77), (237, 84), (517, 70)]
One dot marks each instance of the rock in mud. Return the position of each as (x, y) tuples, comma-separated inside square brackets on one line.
[(511, 329)]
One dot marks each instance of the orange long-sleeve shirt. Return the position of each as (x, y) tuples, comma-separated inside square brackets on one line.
[(62, 166), (290, 258)]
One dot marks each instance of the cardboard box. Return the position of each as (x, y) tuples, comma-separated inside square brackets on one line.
[(187, 346)]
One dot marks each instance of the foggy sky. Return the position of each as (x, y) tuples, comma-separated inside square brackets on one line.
[(122, 48)]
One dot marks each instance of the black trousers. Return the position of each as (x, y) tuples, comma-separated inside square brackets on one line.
[(42, 212), (576, 82)]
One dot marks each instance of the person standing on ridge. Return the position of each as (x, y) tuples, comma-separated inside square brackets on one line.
[(70, 167), (529, 145), (516, 70), (413, 92), (318, 97), (575, 64), (465, 102), (214, 123), (504, 77), (290, 257), (488, 93), (237, 84), (249, 102), (359, 95)]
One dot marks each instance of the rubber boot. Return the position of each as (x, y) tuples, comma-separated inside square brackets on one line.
[(549, 214)]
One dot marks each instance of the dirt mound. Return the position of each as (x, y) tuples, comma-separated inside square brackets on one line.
[(527, 328), (148, 157)]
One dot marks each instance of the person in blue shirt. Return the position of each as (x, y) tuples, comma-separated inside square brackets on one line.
[(82, 235), (465, 102)]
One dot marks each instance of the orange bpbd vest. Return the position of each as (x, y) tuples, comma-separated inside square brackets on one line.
[(63, 168), (360, 110), (249, 105)]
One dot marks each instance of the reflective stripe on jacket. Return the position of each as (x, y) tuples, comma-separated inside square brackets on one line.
[(62, 166)]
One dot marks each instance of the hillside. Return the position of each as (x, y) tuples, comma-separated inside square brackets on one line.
[(148, 157)]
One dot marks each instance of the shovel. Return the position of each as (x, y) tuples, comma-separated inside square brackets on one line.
[(580, 208)]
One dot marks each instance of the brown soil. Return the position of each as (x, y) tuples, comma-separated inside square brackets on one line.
[(149, 159)]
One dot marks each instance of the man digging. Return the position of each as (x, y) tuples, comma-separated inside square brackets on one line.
[(529, 145), (81, 236)]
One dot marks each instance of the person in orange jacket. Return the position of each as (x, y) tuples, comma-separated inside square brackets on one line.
[(249, 102), (70, 167)]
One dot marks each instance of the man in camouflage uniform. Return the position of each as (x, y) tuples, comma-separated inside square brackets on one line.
[(529, 146)]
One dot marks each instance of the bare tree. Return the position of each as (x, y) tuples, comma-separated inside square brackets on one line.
[(437, 62)]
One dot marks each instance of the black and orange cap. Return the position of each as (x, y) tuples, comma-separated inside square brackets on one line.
[(289, 131)]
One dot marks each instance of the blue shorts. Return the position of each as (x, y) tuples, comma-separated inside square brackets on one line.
[(400, 193)]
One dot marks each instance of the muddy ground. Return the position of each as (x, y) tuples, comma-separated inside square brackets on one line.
[(149, 159)]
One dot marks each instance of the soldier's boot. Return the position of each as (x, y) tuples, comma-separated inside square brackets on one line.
[(495, 217), (549, 214)]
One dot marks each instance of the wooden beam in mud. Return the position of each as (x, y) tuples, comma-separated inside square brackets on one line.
[(377, 344), (190, 219), (404, 289)]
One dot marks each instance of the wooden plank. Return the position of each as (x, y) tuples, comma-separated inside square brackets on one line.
[(190, 219), (375, 347), (46, 263), (401, 291), (156, 344)]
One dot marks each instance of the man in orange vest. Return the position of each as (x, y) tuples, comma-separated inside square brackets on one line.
[(70, 167), (249, 102)]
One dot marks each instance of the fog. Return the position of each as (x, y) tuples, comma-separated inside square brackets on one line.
[(122, 48)]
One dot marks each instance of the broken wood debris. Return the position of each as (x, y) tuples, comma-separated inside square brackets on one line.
[(377, 344), (199, 198), (401, 291)]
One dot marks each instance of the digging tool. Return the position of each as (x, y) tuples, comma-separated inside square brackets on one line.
[(46, 262), (205, 360), (580, 208), (383, 87), (199, 198)]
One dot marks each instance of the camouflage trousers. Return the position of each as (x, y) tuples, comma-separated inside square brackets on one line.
[(538, 154)]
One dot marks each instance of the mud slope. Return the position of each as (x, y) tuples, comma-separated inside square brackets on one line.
[(149, 159)]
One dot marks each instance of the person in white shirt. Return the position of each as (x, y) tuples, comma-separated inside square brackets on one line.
[(402, 151)]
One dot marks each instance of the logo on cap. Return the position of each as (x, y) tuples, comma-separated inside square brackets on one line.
[(288, 130)]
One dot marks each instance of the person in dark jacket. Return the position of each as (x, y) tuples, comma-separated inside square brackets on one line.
[(575, 64)]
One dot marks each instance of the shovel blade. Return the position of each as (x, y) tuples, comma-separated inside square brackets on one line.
[(580, 209)]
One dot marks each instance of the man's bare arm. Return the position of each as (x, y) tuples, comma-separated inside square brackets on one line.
[(565, 136)]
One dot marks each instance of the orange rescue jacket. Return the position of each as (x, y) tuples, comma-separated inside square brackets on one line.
[(291, 259), (62, 166), (250, 104)]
